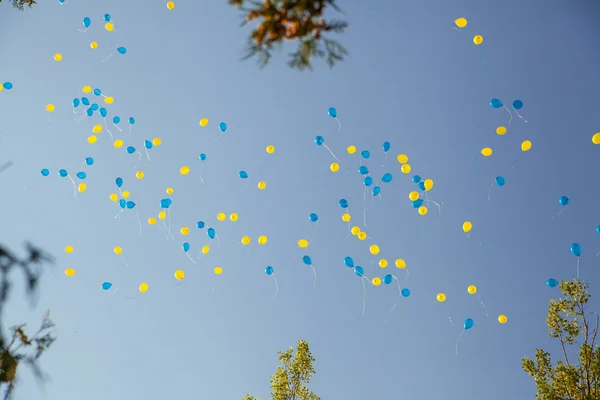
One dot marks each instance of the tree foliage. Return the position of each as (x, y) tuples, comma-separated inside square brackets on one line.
[(290, 380), (21, 4), (292, 20), (577, 375), (19, 347)]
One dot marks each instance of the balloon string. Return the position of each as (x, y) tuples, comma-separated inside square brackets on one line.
[(331, 152), (365, 207), (483, 305), (315, 233), (130, 127), (276, 286), (201, 166), (457, 340), (315, 274), (82, 31), (524, 120), (139, 159), (364, 294), (398, 284), (190, 258), (339, 124), (108, 130), (147, 154), (578, 267), (109, 56), (139, 222), (511, 116), (560, 212), (490, 193), (117, 126), (119, 213), (74, 186)]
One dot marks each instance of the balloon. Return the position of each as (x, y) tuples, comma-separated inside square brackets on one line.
[(262, 239), (202, 157), (185, 230), (596, 138), (387, 177), (496, 103), (262, 185), (89, 160), (526, 146), (143, 287), (313, 217), (346, 217), (118, 250), (103, 112), (222, 126), (402, 158), (441, 297), (405, 292), (563, 201), (502, 319), (106, 285), (50, 108), (200, 224), (87, 22), (139, 175), (500, 181), (598, 228), (93, 45), (131, 120), (70, 272), (417, 203), (211, 233), (179, 275), (501, 130), (343, 203), (387, 279), (376, 190), (119, 182), (109, 26), (376, 281), (334, 167), (428, 183), (270, 149), (184, 170), (58, 57), (349, 262), (359, 271), (332, 112), (363, 170), (122, 203), (486, 151), (63, 173), (383, 263), (351, 149), (246, 240), (218, 270), (81, 175), (186, 247), (69, 249), (107, 17), (472, 289), (461, 22), (233, 217), (400, 263), (171, 5), (319, 140), (386, 146), (576, 249), (368, 181), (374, 249), (122, 50), (307, 260), (45, 172), (467, 226), (269, 270), (551, 283), (478, 39), (365, 154), (468, 324), (221, 217), (517, 104), (243, 174), (204, 122), (303, 243)]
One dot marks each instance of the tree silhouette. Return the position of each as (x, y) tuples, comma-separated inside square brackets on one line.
[(577, 375), (20, 4), (292, 20), (290, 380)]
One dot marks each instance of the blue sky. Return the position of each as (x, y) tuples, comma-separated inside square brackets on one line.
[(412, 80)]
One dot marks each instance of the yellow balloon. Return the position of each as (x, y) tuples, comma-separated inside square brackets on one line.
[(152, 221), (162, 215), (113, 197), (246, 240), (402, 158), (139, 175), (526, 146), (303, 243), (376, 281), (94, 45), (262, 239), (472, 289), (69, 249), (143, 287), (221, 216), (184, 170), (441, 297), (374, 249), (171, 5), (405, 168), (346, 217), (351, 149), (70, 272), (204, 122), (125, 194), (117, 144), (501, 130), (423, 210), (118, 250), (502, 319), (92, 139), (486, 151), (362, 235), (58, 57), (233, 217), (81, 187), (262, 185), (169, 190), (156, 141), (86, 89), (413, 196), (383, 263), (109, 26), (478, 39), (355, 230), (467, 226), (50, 108), (218, 270), (205, 250), (97, 129), (596, 138), (461, 22), (428, 183), (270, 149), (334, 167), (109, 100), (179, 275), (185, 230), (400, 263)]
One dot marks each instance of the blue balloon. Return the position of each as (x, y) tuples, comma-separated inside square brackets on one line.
[(416, 179), (363, 170), (386, 146), (89, 160), (76, 102), (349, 262), (576, 249), (89, 112), (202, 157), (598, 228), (97, 92), (421, 185), (211, 233), (551, 283), (7, 85), (116, 119), (343, 203), (94, 107), (319, 140), (387, 279), (500, 181), (517, 104), (122, 50), (87, 22), (387, 177), (243, 174), (563, 200), (147, 144), (106, 285), (85, 101), (376, 190), (359, 271), (222, 126), (495, 103), (107, 17), (313, 217), (365, 154), (307, 260), (130, 205), (63, 173), (186, 247), (417, 203), (368, 181), (103, 112), (165, 203), (332, 112), (119, 182), (405, 292), (122, 203), (131, 120), (269, 270), (200, 224), (130, 149), (45, 172), (81, 175), (468, 324)]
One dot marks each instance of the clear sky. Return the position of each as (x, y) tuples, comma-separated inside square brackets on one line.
[(411, 79)]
